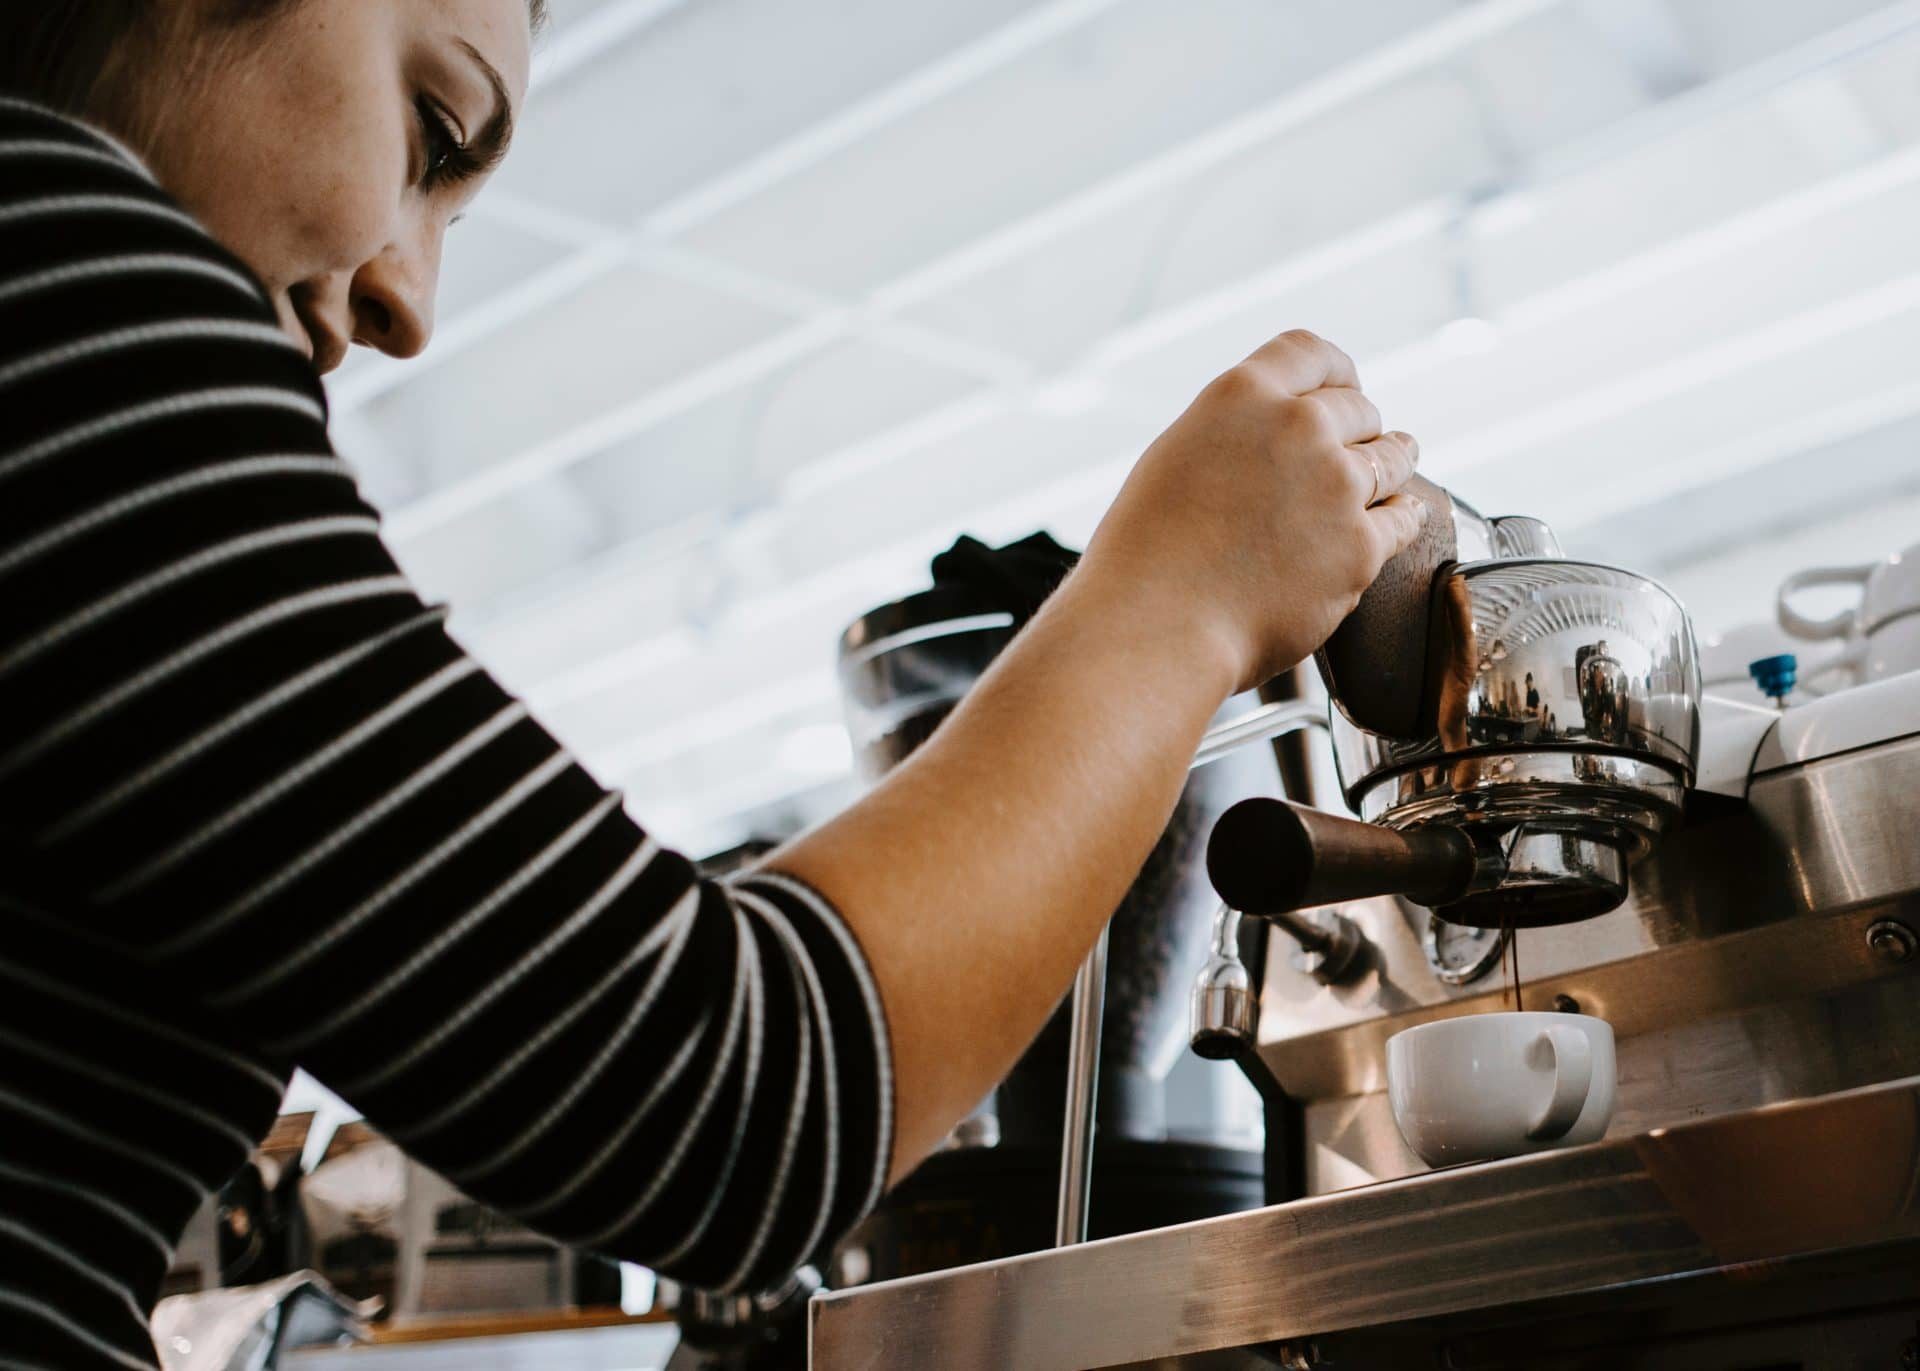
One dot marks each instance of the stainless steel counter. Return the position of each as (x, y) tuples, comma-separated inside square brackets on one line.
[(1838, 1172)]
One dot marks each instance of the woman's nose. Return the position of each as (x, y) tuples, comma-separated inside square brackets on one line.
[(392, 301)]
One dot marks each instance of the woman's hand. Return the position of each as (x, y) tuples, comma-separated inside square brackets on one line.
[(1264, 512)]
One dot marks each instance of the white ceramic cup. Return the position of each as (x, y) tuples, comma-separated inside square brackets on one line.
[(1882, 631), (1500, 1085)]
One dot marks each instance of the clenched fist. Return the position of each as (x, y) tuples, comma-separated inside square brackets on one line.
[(1266, 510)]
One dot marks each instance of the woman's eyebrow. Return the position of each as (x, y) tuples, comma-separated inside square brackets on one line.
[(491, 143)]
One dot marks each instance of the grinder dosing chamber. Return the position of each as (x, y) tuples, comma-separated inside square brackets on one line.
[(1514, 728)]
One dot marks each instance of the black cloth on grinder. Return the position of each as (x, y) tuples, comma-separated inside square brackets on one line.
[(1017, 578)]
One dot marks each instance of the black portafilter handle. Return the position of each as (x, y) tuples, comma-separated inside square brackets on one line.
[(1273, 857)]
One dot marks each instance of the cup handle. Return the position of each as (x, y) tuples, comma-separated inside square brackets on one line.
[(1572, 1079), (1840, 625)]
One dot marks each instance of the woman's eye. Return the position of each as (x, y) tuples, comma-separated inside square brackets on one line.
[(447, 158)]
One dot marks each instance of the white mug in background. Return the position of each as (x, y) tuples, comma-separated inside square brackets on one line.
[(1882, 632), (1500, 1085)]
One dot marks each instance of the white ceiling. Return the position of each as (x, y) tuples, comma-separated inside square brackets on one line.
[(775, 299)]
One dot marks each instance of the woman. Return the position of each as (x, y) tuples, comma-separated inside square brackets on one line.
[(259, 811)]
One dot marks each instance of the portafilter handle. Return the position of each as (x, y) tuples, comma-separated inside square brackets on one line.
[(1269, 857)]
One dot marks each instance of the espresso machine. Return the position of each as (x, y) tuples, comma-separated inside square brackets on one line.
[(1523, 751)]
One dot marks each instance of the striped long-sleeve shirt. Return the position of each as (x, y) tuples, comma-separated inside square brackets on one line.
[(259, 810)]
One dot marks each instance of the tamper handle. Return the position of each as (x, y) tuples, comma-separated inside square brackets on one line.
[(1272, 857)]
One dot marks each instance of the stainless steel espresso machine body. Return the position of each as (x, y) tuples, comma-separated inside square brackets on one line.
[(1734, 886)]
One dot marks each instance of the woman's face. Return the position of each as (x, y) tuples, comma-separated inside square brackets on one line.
[(331, 147)]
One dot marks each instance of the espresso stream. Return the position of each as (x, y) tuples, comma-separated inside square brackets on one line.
[(1510, 963)]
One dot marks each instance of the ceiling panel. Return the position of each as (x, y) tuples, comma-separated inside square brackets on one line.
[(593, 351)]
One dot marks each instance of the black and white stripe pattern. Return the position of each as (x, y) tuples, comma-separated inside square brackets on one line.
[(257, 809)]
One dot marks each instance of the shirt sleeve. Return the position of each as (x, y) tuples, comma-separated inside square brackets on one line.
[(259, 761)]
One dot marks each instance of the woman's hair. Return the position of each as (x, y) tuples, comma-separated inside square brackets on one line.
[(58, 51)]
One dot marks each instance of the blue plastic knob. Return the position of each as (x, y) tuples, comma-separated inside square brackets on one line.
[(1775, 675)]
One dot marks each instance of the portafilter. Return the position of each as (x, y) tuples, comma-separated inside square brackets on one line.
[(1515, 728)]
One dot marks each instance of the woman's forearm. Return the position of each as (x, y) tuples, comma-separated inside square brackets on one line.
[(979, 873)]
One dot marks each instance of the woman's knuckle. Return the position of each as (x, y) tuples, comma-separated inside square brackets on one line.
[(1307, 421), (1238, 386)]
